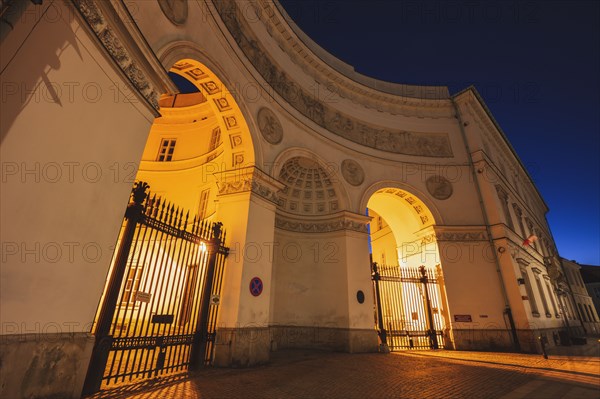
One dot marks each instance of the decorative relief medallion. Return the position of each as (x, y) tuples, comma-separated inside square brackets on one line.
[(222, 104), (196, 73), (175, 10), (230, 122), (346, 126), (352, 172), (269, 126), (235, 140), (439, 187)]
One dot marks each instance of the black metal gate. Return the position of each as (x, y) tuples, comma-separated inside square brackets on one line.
[(159, 309), (409, 307)]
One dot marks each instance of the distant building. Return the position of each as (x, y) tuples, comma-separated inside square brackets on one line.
[(591, 277), (584, 306), (311, 167)]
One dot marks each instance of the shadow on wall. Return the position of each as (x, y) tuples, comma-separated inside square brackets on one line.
[(26, 75)]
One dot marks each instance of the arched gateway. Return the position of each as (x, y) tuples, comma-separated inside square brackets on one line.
[(311, 168)]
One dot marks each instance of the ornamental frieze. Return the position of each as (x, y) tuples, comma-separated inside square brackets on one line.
[(459, 233), (101, 26), (320, 226), (249, 180), (394, 141), (461, 236)]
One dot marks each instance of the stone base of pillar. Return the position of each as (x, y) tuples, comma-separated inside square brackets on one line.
[(44, 365), (242, 347)]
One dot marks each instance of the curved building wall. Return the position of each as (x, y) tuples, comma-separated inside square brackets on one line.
[(293, 101)]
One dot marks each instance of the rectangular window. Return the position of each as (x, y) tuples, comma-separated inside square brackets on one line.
[(134, 276), (551, 293), (203, 204), (581, 313), (215, 139), (590, 313), (519, 216), (532, 302), (503, 196), (542, 295), (165, 153)]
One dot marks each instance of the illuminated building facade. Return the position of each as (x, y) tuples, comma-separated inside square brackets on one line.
[(311, 167)]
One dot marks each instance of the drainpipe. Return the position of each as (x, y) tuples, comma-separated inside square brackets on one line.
[(507, 310)]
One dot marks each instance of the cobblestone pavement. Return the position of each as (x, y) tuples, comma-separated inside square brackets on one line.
[(408, 374)]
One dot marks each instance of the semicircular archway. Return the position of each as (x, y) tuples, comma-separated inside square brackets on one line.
[(201, 132), (412, 311), (400, 231)]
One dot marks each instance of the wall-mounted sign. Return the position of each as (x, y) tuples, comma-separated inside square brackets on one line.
[(256, 286), (162, 319), (463, 318), (143, 297)]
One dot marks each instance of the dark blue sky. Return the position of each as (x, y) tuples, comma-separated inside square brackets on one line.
[(535, 63)]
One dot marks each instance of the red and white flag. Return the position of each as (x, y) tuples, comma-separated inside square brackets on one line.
[(529, 240)]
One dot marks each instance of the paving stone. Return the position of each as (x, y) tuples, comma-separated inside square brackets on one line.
[(409, 374)]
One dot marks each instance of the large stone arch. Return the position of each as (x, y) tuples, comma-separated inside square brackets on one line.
[(422, 196), (124, 49), (175, 51)]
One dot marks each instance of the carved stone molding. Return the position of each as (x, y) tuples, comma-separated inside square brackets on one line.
[(518, 210), (439, 187), (494, 135), (334, 222), (524, 255), (118, 34), (523, 263), (175, 10), (460, 233), (417, 246), (324, 115), (502, 193), (369, 93), (352, 171), (249, 179), (269, 126)]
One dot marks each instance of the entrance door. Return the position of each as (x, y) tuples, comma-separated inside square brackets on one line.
[(409, 307), (159, 308)]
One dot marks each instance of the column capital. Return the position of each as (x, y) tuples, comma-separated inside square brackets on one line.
[(248, 179)]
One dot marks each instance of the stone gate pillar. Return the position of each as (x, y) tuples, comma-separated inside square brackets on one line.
[(362, 336), (246, 205), (473, 286)]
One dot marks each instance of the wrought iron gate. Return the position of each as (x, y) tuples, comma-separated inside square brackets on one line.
[(159, 309), (409, 307)]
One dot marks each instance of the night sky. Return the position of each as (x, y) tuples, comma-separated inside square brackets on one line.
[(536, 64)]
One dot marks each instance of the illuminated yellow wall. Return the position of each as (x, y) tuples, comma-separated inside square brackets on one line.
[(406, 223), (194, 120)]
